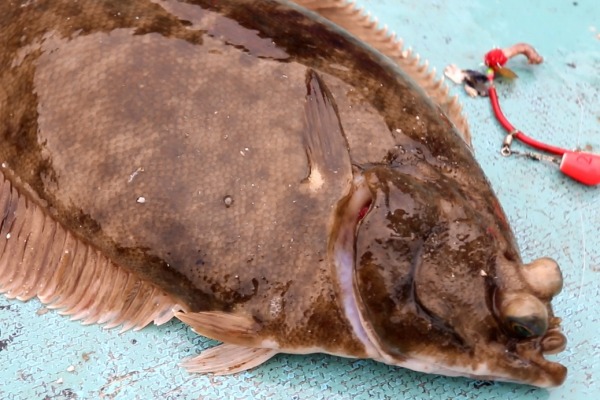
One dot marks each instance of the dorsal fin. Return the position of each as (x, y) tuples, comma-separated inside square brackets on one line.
[(359, 24), (39, 257)]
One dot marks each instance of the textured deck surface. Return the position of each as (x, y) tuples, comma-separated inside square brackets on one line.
[(49, 357)]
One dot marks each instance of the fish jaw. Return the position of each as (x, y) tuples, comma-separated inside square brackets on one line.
[(456, 336), (525, 365)]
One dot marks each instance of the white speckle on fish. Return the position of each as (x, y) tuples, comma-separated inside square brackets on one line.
[(275, 306), (315, 180), (134, 174)]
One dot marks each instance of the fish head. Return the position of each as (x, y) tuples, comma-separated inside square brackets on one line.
[(441, 288)]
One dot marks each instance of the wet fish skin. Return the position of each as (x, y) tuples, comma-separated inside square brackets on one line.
[(292, 133)]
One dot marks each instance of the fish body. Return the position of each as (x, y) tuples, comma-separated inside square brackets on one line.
[(254, 170)]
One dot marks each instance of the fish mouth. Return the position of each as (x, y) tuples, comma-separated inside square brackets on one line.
[(547, 373), (524, 362)]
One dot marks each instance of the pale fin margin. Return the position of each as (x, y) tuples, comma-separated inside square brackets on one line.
[(38, 257), (227, 359), (354, 20)]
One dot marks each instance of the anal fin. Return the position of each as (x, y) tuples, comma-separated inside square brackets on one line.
[(228, 359)]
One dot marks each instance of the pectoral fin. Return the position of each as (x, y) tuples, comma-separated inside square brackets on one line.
[(228, 359), (324, 139)]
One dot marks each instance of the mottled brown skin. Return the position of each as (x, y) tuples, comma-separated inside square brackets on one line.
[(185, 104)]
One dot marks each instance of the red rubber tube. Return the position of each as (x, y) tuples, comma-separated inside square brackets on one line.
[(518, 134)]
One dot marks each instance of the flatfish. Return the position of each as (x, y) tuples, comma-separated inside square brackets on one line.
[(280, 179)]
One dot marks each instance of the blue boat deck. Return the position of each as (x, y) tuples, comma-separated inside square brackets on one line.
[(558, 102)]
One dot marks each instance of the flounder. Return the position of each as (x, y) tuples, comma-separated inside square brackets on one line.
[(280, 179)]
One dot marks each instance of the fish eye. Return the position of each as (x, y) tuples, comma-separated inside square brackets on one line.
[(521, 330), (525, 315), (544, 277)]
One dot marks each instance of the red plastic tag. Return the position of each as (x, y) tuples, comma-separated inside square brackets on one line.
[(581, 166)]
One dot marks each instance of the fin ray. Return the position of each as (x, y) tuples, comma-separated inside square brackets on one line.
[(228, 359), (226, 327), (324, 139), (38, 257)]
